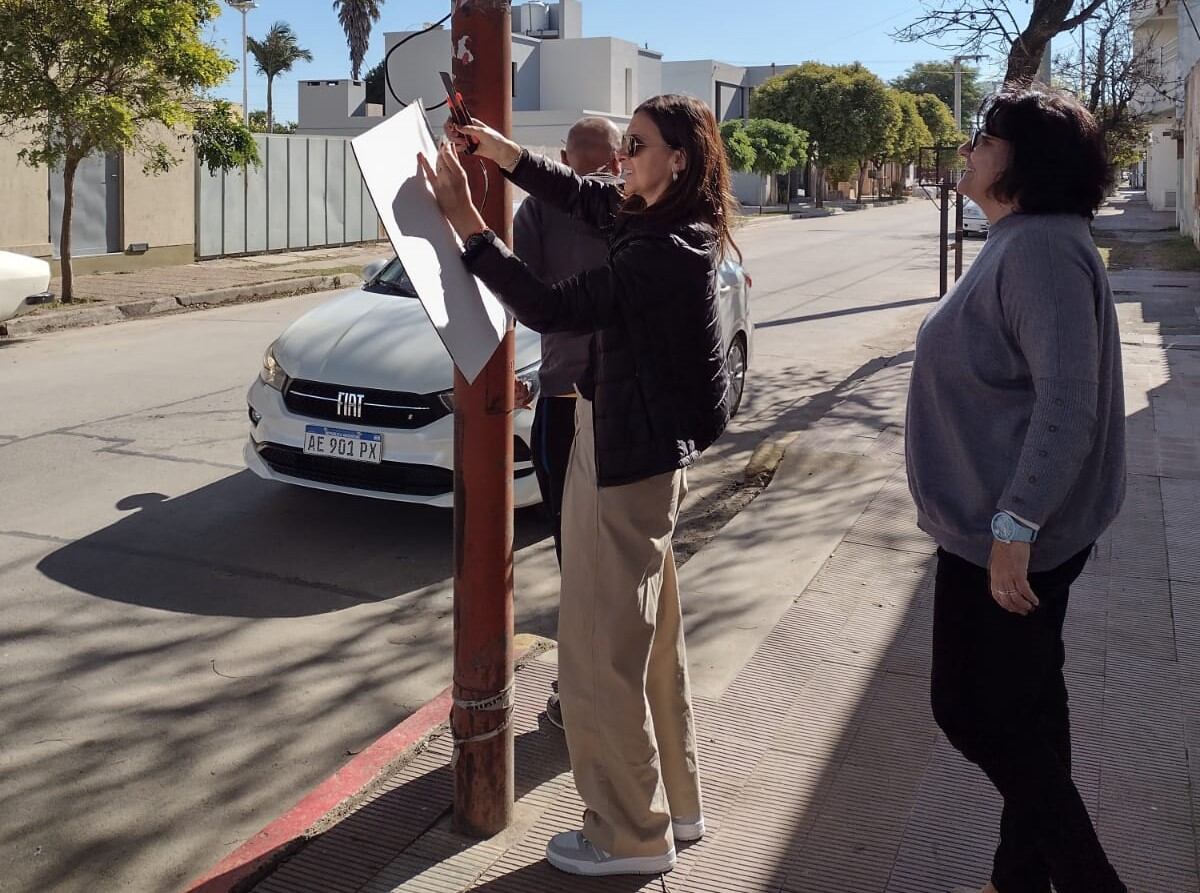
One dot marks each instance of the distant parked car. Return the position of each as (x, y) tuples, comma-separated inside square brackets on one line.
[(24, 283), (356, 396), (974, 220)]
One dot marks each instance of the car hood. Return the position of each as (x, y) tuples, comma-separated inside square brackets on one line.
[(369, 340)]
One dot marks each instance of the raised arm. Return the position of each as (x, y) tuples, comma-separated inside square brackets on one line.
[(589, 199), (591, 300)]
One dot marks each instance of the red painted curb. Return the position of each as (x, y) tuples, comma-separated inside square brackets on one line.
[(363, 769)]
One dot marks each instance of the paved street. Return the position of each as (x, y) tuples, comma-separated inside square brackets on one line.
[(188, 649)]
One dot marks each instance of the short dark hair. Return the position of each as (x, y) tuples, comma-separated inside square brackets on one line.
[(1058, 162)]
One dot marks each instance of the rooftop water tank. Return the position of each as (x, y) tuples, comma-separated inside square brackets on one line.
[(537, 16)]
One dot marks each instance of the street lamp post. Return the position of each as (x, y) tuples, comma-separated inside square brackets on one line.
[(958, 61), (244, 6)]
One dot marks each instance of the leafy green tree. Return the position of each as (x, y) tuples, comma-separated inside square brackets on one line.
[(356, 18), (912, 135), (258, 124), (938, 78), (848, 112), (875, 120), (809, 97), (738, 148), (764, 146), (99, 75), (222, 141), (778, 147), (274, 55), (939, 120), (376, 86)]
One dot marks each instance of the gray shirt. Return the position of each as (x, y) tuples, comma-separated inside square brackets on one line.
[(1016, 402), (557, 247)]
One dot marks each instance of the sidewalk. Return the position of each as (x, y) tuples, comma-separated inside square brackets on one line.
[(111, 297), (823, 769)]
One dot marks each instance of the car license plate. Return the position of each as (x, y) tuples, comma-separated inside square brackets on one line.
[(340, 443)]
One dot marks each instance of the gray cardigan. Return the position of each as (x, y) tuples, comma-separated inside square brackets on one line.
[(1016, 401)]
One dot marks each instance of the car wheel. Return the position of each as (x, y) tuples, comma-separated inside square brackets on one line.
[(735, 365)]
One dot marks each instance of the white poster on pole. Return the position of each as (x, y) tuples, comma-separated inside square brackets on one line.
[(467, 316)]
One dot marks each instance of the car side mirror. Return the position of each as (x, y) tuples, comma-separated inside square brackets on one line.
[(373, 269)]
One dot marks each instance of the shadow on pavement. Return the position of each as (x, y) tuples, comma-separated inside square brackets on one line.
[(244, 547)]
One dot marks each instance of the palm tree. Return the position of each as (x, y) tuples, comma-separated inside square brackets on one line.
[(356, 17), (275, 54)]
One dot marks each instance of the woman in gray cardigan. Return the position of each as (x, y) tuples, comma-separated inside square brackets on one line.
[(1016, 462)]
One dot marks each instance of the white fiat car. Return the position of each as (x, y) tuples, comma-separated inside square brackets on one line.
[(356, 396)]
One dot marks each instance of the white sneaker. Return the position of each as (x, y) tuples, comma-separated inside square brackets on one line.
[(573, 853), (685, 832)]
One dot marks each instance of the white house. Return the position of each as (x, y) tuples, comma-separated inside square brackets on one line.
[(1157, 29), (559, 76)]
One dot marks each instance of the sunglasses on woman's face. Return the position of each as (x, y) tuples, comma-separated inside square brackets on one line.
[(631, 145), (979, 136)]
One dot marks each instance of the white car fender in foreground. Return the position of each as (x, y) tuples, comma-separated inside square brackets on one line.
[(24, 283)]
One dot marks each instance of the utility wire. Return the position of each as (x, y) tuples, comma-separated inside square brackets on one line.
[(387, 75)]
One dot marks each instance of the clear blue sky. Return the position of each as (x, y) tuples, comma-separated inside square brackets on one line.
[(748, 32)]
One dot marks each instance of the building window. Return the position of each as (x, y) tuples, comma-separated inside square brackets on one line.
[(629, 91), (514, 80)]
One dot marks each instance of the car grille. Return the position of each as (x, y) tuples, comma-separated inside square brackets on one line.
[(379, 409), (386, 477)]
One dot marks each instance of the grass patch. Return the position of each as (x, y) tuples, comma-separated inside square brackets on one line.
[(1176, 254), (60, 305)]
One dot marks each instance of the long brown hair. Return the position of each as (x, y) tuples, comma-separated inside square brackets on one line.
[(702, 191)]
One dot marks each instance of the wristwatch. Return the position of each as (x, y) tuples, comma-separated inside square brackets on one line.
[(475, 243), (1008, 529)]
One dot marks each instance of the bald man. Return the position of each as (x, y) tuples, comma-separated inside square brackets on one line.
[(557, 247)]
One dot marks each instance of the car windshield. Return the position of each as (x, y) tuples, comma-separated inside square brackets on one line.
[(394, 280)]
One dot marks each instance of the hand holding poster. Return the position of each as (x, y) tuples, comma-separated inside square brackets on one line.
[(467, 316)]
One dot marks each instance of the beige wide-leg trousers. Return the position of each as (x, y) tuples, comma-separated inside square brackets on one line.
[(623, 677)]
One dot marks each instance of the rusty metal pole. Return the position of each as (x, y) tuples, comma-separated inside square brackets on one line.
[(481, 35)]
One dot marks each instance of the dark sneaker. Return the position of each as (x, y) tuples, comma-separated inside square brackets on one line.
[(575, 854), (554, 710)]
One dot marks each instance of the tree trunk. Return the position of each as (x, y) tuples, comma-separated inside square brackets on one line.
[(862, 179), (1025, 57), (70, 166), (270, 106)]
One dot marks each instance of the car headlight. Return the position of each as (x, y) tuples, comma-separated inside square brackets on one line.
[(272, 374), (527, 376)]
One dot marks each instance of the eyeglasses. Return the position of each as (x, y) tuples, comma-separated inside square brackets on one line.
[(979, 136), (631, 145)]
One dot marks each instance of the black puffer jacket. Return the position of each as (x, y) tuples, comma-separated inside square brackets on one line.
[(657, 375)]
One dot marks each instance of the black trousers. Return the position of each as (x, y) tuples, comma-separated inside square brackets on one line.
[(553, 433), (999, 695)]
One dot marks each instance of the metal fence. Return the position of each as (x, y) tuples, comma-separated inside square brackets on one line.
[(307, 193)]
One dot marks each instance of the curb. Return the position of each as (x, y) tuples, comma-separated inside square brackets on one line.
[(281, 837), (106, 313)]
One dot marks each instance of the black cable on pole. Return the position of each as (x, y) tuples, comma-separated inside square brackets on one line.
[(387, 75), (387, 79)]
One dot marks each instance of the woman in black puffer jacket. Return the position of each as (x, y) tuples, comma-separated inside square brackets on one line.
[(654, 397)]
